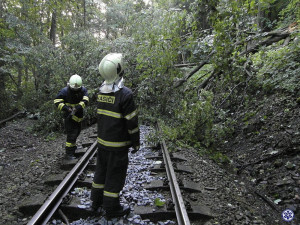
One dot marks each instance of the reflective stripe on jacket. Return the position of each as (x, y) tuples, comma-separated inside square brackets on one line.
[(117, 120)]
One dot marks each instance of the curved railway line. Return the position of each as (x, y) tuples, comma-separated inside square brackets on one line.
[(156, 189)]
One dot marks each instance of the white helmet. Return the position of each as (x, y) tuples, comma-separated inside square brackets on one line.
[(111, 66), (75, 82)]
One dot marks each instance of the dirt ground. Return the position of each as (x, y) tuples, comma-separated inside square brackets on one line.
[(261, 181), (26, 159)]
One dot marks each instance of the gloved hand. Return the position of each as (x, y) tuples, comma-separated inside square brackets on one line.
[(135, 149), (67, 109), (78, 107)]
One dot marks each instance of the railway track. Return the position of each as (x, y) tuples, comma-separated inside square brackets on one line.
[(157, 189)]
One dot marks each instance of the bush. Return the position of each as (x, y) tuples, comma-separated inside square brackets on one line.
[(194, 121), (50, 119), (280, 69), (8, 106)]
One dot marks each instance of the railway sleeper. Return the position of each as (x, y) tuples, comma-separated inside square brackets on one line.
[(87, 145), (186, 186), (177, 168), (55, 180), (73, 209), (162, 213), (174, 157), (69, 164), (31, 206)]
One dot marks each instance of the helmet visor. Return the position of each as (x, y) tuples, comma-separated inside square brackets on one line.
[(75, 87)]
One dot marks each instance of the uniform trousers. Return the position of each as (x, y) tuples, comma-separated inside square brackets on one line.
[(72, 129), (109, 178)]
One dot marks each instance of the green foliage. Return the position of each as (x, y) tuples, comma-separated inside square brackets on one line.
[(278, 69), (194, 121), (196, 116), (153, 138), (50, 120), (5, 32), (90, 113), (291, 13), (51, 137), (8, 105), (159, 203), (249, 115), (219, 157), (156, 51), (222, 129)]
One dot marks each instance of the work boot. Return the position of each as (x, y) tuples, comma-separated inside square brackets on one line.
[(70, 153), (69, 156), (96, 211), (117, 211)]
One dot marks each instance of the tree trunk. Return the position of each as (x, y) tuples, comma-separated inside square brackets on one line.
[(84, 14), (26, 77), (53, 27), (260, 17), (203, 16), (36, 81), (195, 70), (19, 81), (2, 81), (1, 8), (46, 85), (274, 36), (2, 63)]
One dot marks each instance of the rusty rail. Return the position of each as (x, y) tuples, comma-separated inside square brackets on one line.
[(49, 207), (181, 213)]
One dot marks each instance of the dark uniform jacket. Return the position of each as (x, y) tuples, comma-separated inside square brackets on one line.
[(68, 97), (117, 121)]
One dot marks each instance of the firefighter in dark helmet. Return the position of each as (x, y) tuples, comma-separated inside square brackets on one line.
[(118, 130), (72, 100)]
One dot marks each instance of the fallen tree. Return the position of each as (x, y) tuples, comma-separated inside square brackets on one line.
[(272, 37), (190, 74), (253, 44), (19, 114)]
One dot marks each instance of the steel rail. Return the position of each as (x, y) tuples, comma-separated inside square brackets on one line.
[(181, 213), (43, 215)]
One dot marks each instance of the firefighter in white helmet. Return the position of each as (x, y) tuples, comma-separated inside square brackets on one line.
[(72, 99), (118, 130)]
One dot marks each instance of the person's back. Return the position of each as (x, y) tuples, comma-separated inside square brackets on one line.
[(117, 120)]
